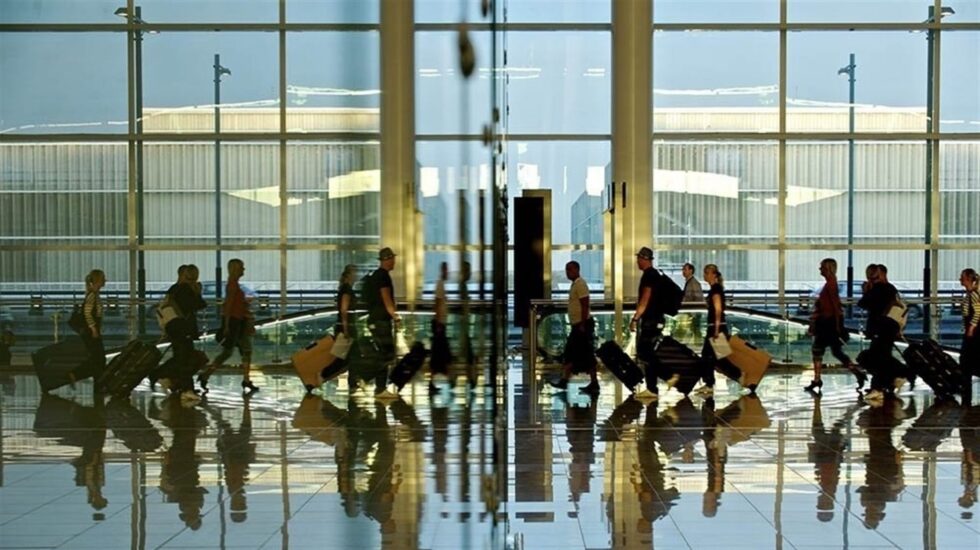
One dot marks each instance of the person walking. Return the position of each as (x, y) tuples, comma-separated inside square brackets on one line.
[(692, 286), (92, 312), (877, 299), (717, 328), (970, 349), (579, 355), (237, 328), (383, 319), (185, 297), (648, 323), (827, 329), (441, 354)]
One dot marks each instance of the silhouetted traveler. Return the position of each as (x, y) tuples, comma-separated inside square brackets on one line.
[(579, 355), (237, 328), (378, 292), (648, 323), (878, 298), (827, 328), (92, 311), (717, 326), (185, 296), (441, 354), (692, 286), (970, 349)]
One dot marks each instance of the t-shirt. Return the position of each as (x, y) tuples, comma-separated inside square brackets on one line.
[(650, 279), (716, 290), (235, 306), (828, 302), (347, 289), (376, 309), (578, 290)]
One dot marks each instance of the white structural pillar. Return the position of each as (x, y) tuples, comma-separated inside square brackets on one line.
[(632, 127), (400, 227)]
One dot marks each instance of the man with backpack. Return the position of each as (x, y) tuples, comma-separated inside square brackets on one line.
[(378, 296), (657, 296)]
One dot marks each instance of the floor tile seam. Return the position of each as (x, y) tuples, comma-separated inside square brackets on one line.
[(51, 466), (42, 505), (124, 508)]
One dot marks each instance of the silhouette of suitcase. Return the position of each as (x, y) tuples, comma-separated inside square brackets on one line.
[(61, 363), (678, 359), (619, 364), (310, 361), (746, 364), (408, 365), (125, 371), (928, 361)]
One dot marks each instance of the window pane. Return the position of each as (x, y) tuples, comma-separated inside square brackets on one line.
[(559, 82), (63, 194), (261, 275), (451, 178), (716, 81), (46, 270), (333, 11), (179, 88), (716, 11), (62, 82), (59, 11), (889, 192), (715, 192), (180, 193), (576, 173), (333, 82), (890, 87), (445, 103), (830, 11), (334, 193), (960, 84), (209, 11), (959, 190), (525, 11), (313, 274)]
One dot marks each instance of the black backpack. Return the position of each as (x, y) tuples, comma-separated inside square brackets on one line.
[(367, 291), (667, 296)]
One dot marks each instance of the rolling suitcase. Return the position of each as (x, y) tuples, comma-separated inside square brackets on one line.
[(678, 359), (927, 360), (619, 364), (61, 363), (410, 364), (125, 371), (746, 364), (310, 361)]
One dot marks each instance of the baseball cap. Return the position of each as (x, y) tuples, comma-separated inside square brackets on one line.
[(386, 254), (645, 253)]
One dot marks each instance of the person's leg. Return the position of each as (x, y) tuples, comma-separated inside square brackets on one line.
[(707, 363), (646, 344), (837, 350), (384, 337), (245, 352), (817, 350)]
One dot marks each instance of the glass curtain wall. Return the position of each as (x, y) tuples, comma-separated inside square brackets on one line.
[(134, 141), (788, 131)]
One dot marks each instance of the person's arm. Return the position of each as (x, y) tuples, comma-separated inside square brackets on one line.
[(716, 305), (88, 309), (584, 302), (440, 304), (344, 306), (972, 323), (389, 303), (641, 306)]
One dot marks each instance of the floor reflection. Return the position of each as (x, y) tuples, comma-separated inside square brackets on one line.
[(283, 470)]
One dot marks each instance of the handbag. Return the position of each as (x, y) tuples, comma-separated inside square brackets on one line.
[(341, 346), (721, 346), (166, 311), (898, 312), (77, 320)]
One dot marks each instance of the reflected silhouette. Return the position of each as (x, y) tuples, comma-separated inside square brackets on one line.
[(736, 423), (826, 451), (180, 477), (933, 426), (440, 437), (75, 425), (884, 478), (716, 457), (365, 446), (131, 427), (655, 498), (679, 427), (580, 430), (970, 467), (237, 452)]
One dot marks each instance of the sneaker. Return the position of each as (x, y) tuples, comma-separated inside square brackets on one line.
[(672, 381), (705, 391), (189, 398), (641, 390), (875, 397)]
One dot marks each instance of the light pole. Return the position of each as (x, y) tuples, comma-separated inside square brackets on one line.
[(218, 71), (137, 45), (851, 71), (930, 69)]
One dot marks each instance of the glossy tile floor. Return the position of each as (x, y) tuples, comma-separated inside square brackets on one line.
[(279, 470)]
